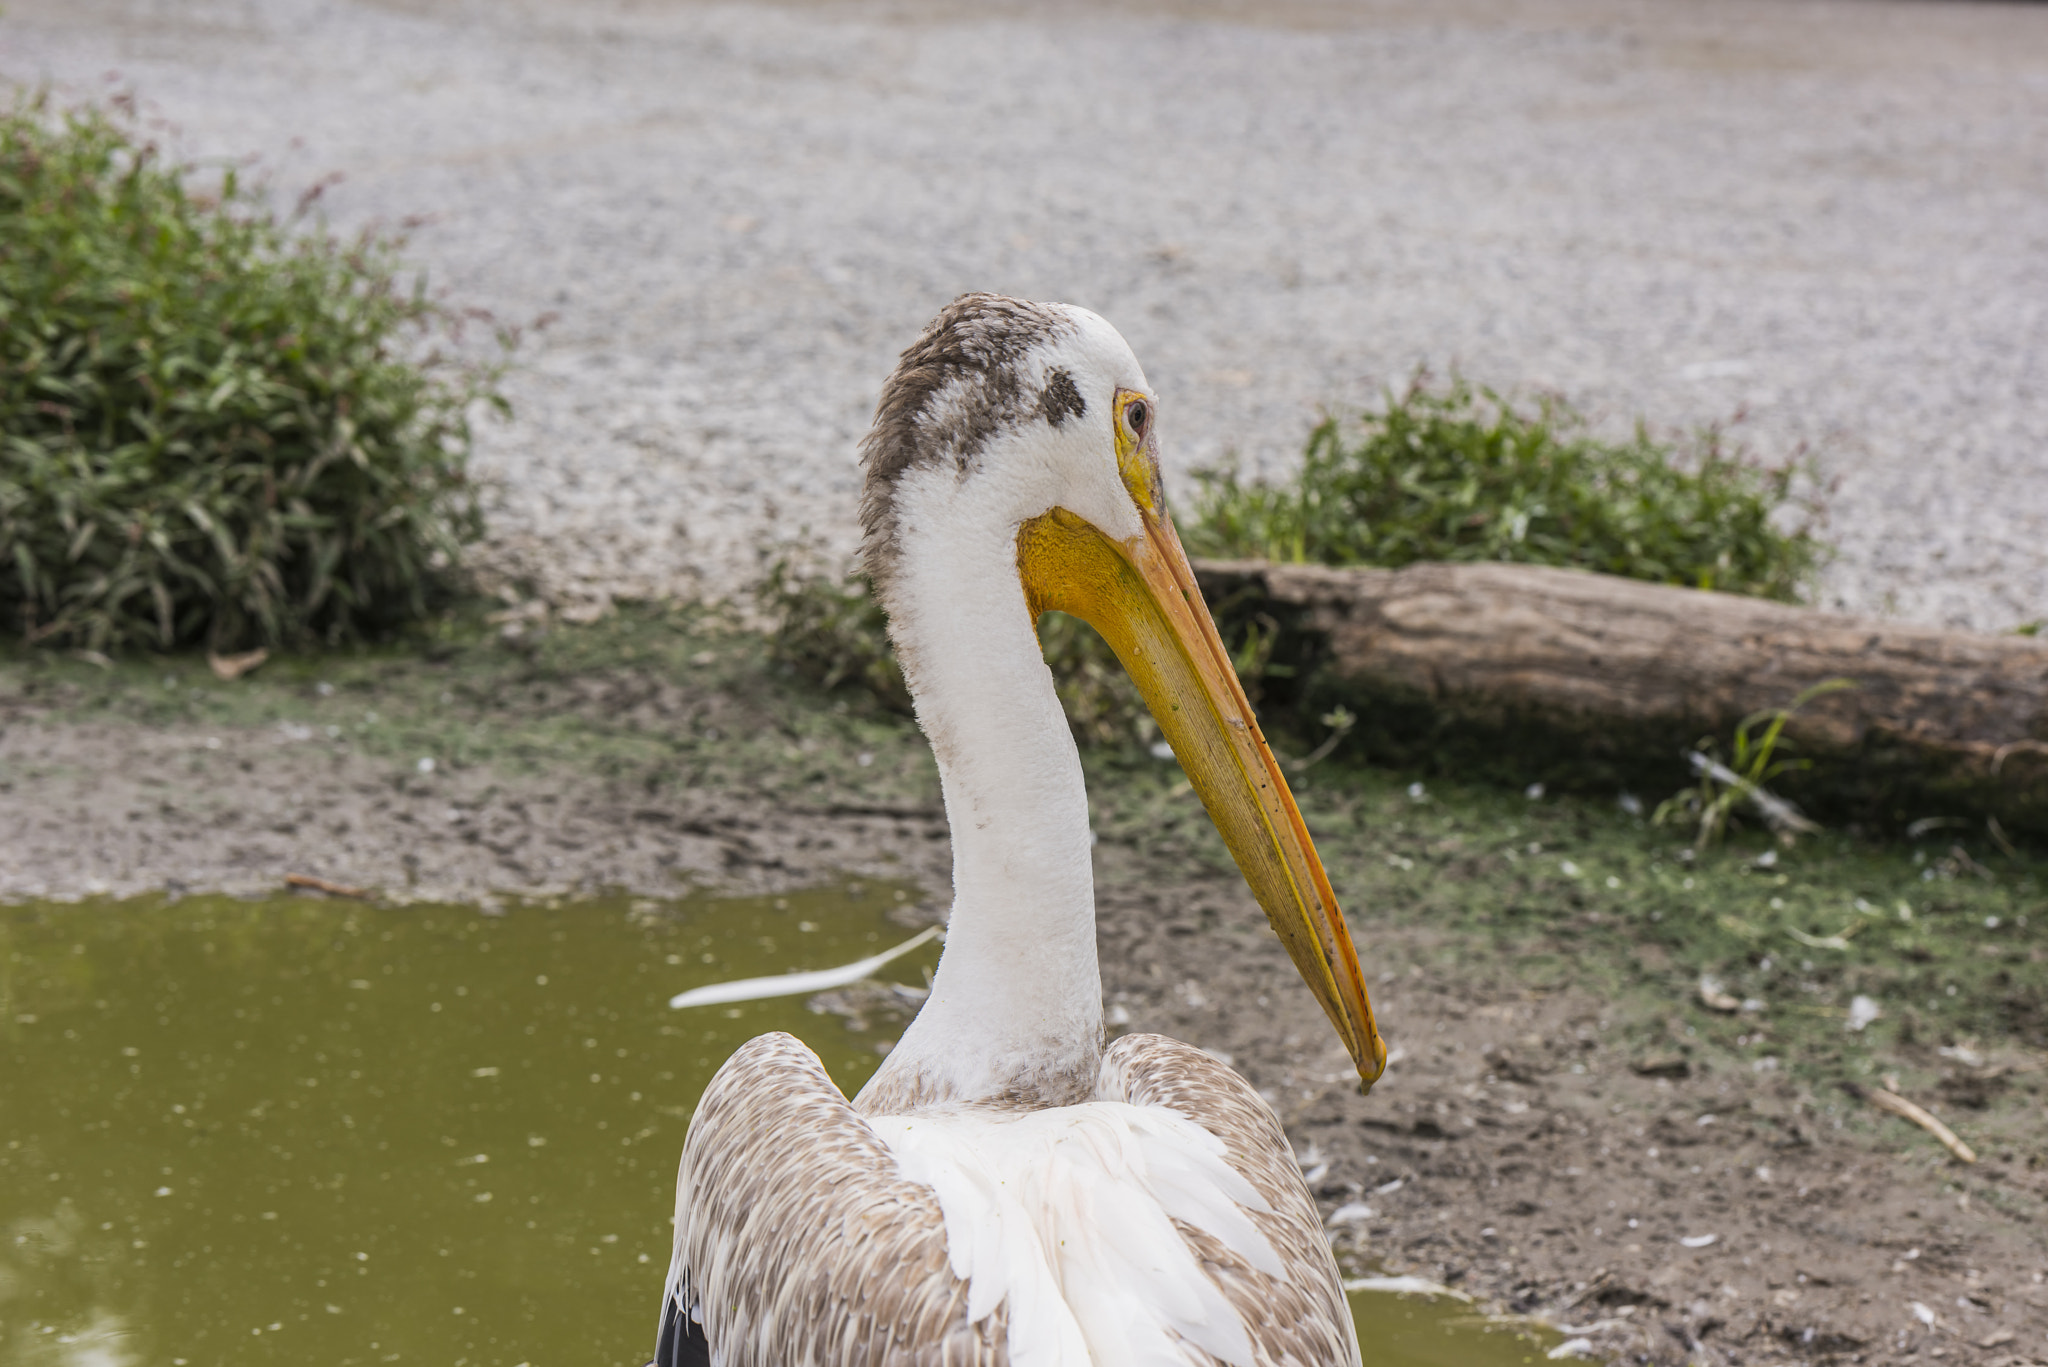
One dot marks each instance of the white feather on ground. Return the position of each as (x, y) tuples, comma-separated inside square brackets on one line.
[(798, 984)]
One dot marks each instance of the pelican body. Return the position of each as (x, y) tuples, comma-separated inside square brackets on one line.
[(1008, 1188)]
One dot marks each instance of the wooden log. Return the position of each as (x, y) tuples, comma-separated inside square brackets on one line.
[(1587, 677)]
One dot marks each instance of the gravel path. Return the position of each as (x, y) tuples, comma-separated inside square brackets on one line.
[(1831, 216)]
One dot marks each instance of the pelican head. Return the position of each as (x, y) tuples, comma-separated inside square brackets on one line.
[(1013, 469)]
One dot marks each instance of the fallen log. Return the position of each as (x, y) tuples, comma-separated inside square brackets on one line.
[(1561, 675)]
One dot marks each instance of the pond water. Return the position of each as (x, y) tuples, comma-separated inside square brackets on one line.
[(1441, 1331), (305, 1131)]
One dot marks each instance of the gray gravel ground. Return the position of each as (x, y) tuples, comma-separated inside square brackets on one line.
[(1830, 216)]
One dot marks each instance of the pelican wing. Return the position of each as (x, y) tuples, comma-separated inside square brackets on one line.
[(797, 1242), (1300, 1317)]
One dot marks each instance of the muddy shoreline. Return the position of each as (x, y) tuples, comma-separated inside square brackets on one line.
[(1527, 1147)]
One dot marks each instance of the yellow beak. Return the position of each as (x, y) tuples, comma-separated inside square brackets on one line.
[(1141, 596)]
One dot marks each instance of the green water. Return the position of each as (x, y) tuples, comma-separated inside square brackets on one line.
[(1440, 1331), (301, 1131), (312, 1132)]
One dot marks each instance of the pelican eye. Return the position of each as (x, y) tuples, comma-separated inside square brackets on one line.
[(1137, 415)]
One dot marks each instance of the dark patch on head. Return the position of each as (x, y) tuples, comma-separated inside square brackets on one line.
[(970, 351), (1061, 400)]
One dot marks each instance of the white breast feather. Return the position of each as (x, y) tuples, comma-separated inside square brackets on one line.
[(1069, 1213)]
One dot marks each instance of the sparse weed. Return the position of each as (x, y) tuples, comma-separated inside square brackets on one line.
[(830, 631), (1101, 702), (1753, 763)]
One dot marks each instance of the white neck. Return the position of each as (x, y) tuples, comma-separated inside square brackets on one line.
[(1015, 1012)]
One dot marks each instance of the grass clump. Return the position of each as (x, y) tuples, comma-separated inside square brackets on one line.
[(831, 632), (834, 634), (1460, 473), (213, 430)]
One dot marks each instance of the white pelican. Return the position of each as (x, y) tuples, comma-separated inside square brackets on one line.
[(1007, 1189)]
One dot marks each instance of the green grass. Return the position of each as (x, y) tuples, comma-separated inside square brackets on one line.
[(215, 428), (1461, 473)]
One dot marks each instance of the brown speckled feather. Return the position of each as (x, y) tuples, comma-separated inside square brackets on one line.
[(1302, 1320), (796, 1242)]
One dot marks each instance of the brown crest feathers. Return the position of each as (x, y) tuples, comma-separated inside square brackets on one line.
[(970, 353)]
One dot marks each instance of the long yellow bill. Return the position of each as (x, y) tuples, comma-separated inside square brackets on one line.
[(1141, 596)]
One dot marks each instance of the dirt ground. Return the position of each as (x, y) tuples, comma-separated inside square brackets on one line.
[(1515, 1151), (1523, 1148)]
